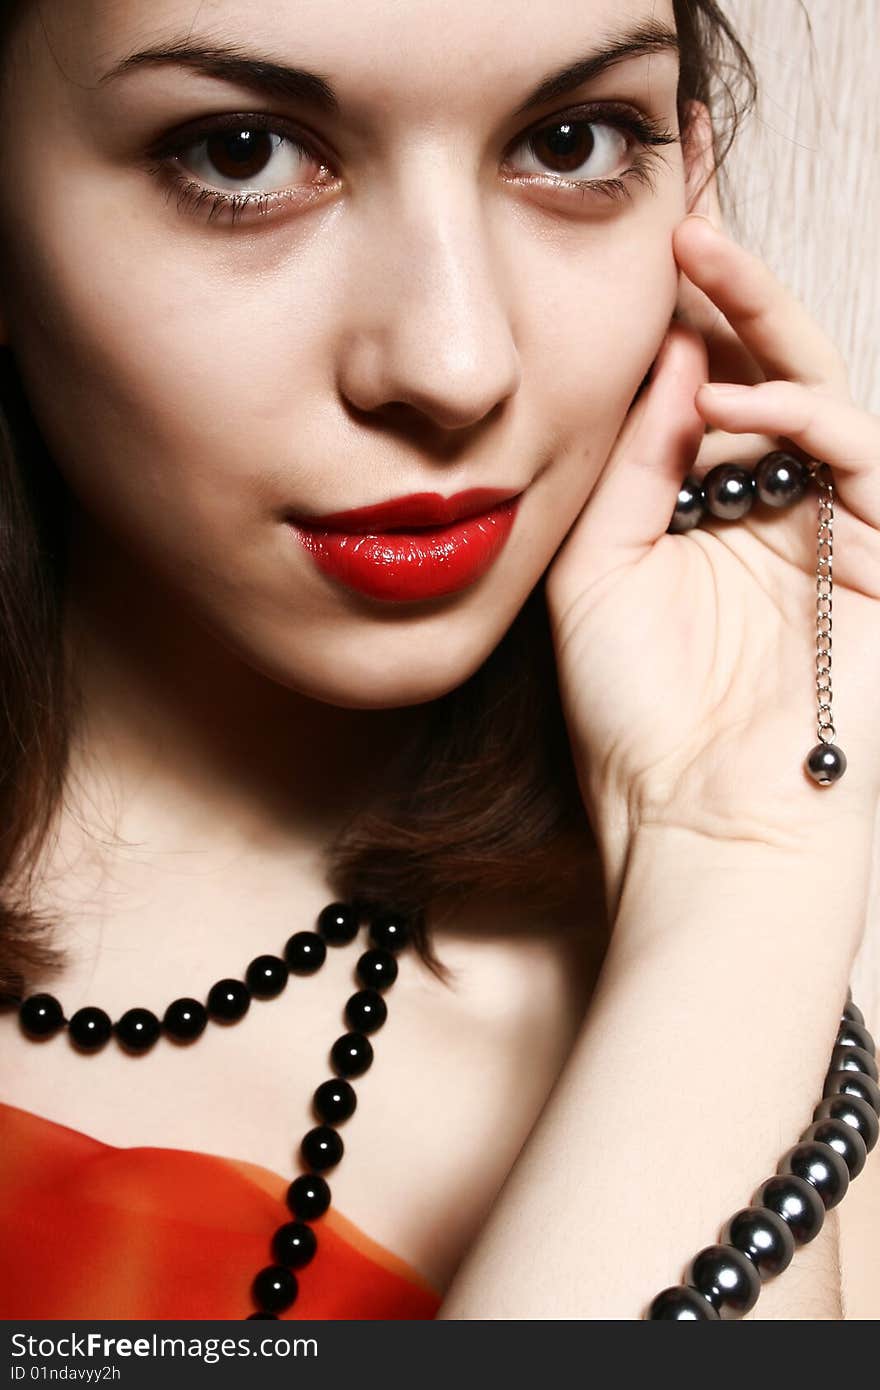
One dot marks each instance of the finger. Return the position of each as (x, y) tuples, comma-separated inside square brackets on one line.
[(635, 497), (720, 447), (828, 429), (772, 323), (729, 360)]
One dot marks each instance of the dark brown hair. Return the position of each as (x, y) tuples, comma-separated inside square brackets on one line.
[(483, 799)]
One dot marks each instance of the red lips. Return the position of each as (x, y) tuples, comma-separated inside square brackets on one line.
[(410, 548), (419, 509)]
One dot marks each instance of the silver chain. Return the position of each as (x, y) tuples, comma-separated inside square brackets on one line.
[(825, 724)]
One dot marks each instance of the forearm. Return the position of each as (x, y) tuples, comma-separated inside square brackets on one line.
[(699, 1062)]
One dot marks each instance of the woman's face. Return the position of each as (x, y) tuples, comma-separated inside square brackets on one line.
[(416, 299)]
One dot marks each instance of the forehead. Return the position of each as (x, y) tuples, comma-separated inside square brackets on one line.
[(380, 51)]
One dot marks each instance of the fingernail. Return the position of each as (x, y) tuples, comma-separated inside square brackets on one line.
[(719, 388)]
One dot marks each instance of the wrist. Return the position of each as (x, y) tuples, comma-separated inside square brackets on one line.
[(679, 884), (718, 828)]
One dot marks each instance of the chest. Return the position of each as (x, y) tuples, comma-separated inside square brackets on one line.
[(459, 1075)]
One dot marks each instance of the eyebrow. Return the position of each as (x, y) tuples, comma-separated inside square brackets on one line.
[(265, 77)]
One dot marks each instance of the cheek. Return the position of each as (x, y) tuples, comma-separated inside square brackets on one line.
[(600, 326), (596, 330), (171, 395)]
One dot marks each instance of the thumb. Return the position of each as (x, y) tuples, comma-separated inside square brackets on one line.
[(633, 501)]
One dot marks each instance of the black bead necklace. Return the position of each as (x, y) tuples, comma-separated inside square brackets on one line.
[(722, 1281), (293, 1245), (788, 1209)]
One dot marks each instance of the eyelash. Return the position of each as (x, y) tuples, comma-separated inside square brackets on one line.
[(194, 197)]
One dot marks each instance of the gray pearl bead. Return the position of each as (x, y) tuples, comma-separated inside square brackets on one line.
[(780, 479), (826, 763), (689, 508), (846, 1058), (730, 491)]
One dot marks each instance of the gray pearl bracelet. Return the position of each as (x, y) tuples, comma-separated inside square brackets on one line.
[(728, 492)]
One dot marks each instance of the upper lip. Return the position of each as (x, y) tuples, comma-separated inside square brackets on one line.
[(417, 509)]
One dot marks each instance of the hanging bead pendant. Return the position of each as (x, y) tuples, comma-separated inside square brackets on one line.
[(826, 762)]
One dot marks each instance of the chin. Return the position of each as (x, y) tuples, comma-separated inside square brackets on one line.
[(365, 669)]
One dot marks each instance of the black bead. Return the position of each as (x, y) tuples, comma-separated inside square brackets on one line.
[(274, 1288), (853, 1083), (377, 968), (681, 1304), (763, 1236), (335, 1101), (389, 930), (261, 1317), (845, 1141), (366, 1011), (322, 1148), (185, 1019), (294, 1244), (852, 1013), (90, 1028), (853, 1059), (780, 479), (338, 923), (819, 1165), (796, 1201), (305, 953), (729, 490), (266, 976), (726, 1278), (855, 1035), (854, 1111), (228, 1000), (351, 1054), (308, 1197), (138, 1029), (41, 1015), (825, 763)]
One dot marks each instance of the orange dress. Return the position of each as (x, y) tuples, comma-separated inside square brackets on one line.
[(91, 1230)]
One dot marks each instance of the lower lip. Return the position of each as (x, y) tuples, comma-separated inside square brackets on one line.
[(411, 565)]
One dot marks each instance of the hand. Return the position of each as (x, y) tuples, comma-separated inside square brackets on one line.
[(687, 662)]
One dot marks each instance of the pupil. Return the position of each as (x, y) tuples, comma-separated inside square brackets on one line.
[(239, 154), (567, 144)]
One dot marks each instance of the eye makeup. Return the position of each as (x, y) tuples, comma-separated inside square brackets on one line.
[(232, 135)]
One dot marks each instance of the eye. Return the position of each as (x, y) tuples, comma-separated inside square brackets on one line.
[(578, 149), (242, 154), (239, 163), (590, 149)]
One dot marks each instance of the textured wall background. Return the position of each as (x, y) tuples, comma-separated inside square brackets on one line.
[(804, 187), (804, 192)]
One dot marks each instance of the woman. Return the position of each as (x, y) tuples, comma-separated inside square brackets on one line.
[(263, 267)]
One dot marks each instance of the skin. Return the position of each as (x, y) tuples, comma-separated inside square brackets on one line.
[(441, 326), (435, 319), (445, 328), (436, 322)]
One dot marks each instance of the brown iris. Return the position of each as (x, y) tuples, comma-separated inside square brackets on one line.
[(565, 145), (239, 154)]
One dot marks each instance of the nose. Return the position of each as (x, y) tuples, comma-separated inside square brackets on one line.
[(428, 331)]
